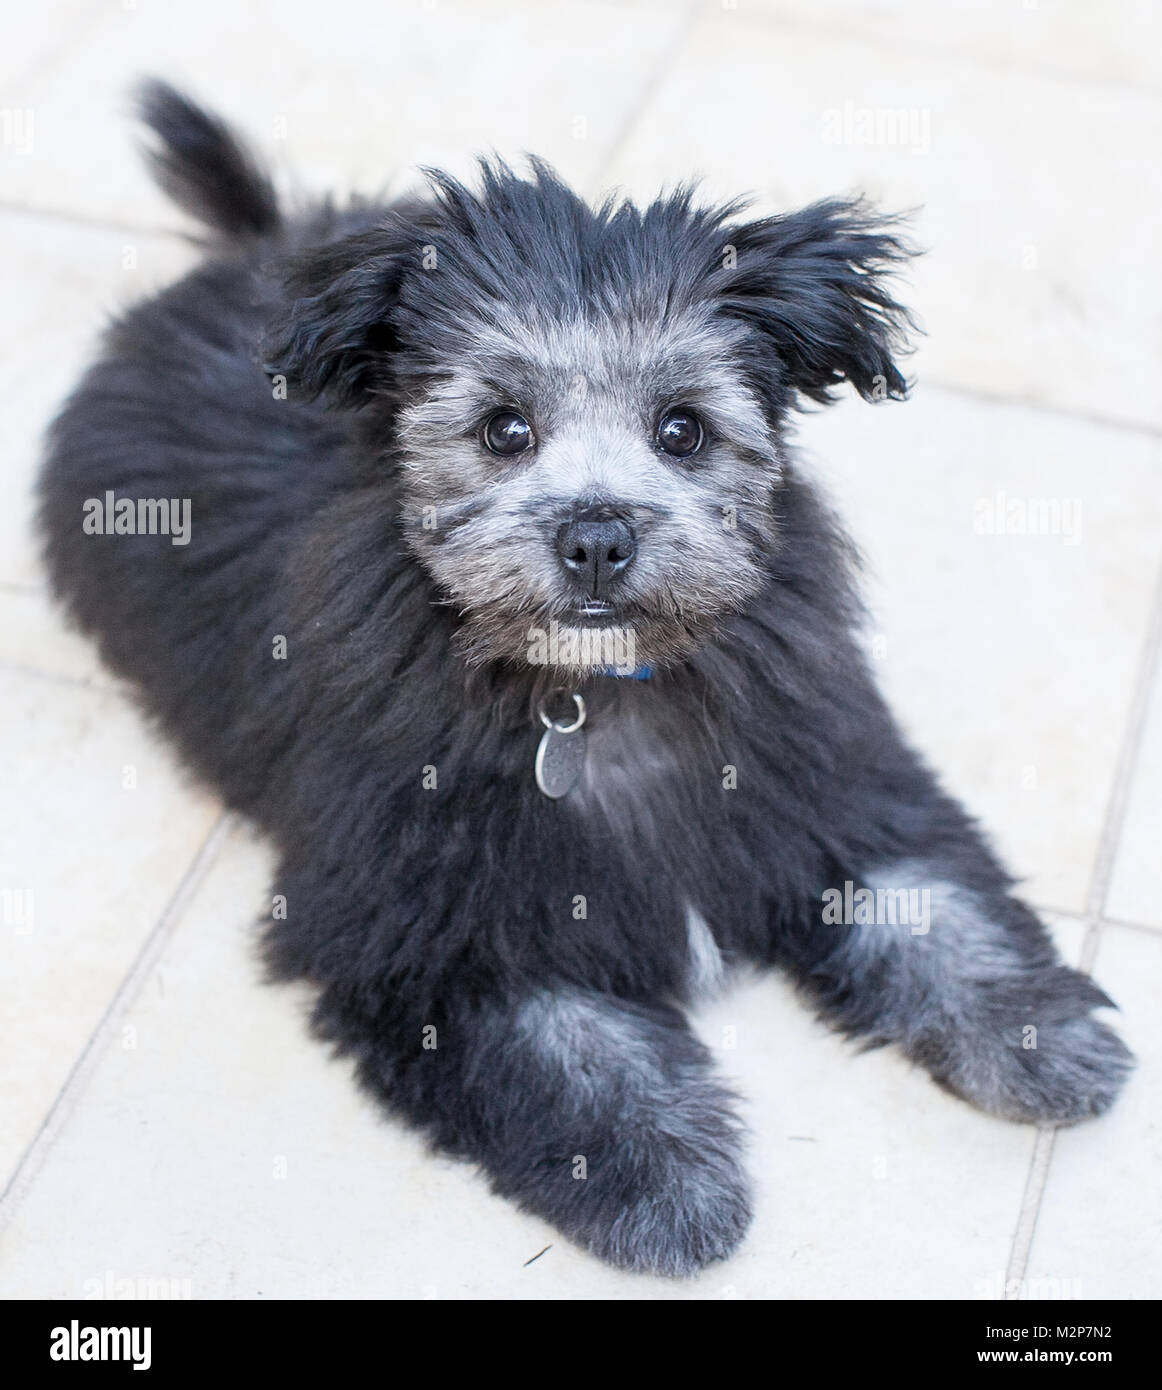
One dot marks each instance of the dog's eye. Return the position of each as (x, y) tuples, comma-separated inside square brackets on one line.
[(508, 433), (680, 433)]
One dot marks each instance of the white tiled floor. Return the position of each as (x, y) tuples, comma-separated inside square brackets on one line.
[(164, 1115)]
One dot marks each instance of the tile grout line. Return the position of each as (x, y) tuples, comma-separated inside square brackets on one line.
[(1122, 924), (981, 394), (98, 682), (156, 940), (89, 222), (1074, 914), (1113, 824), (1035, 1181), (1119, 800)]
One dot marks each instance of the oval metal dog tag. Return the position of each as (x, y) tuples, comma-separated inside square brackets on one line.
[(560, 761), (561, 753)]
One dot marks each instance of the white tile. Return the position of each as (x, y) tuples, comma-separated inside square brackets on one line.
[(59, 283), (868, 1174), (1010, 658), (1100, 1223), (35, 38), (353, 102), (1134, 887), (1034, 194), (1053, 35), (87, 865), (33, 637), (1069, 936)]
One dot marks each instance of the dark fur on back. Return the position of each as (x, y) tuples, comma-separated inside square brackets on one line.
[(428, 884)]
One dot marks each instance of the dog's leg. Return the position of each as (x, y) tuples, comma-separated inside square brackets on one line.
[(932, 953), (599, 1115)]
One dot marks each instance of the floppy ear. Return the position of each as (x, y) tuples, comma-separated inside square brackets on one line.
[(815, 285), (333, 333)]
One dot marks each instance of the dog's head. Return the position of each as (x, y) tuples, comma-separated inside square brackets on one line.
[(585, 408)]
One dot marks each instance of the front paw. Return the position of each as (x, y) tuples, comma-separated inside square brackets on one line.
[(678, 1209), (1040, 1056), (662, 1192)]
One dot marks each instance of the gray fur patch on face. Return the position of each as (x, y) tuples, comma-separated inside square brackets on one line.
[(1011, 1033), (593, 389)]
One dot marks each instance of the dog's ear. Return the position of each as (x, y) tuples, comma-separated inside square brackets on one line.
[(333, 333), (815, 285)]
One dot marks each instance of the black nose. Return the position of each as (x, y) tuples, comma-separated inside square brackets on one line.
[(595, 552)]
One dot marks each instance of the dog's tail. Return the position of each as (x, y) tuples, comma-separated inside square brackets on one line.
[(203, 166)]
